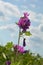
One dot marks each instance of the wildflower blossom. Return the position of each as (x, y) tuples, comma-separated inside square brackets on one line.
[(20, 49), (24, 22)]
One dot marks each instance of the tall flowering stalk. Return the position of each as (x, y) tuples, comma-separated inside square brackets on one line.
[(23, 25)]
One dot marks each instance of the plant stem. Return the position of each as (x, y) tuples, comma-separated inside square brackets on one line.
[(18, 43), (19, 36)]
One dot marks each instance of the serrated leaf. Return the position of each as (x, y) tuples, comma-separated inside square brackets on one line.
[(27, 33)]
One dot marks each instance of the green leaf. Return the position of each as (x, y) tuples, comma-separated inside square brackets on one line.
[(27, 33)]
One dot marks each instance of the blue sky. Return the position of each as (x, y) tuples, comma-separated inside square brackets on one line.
[(11, 11)]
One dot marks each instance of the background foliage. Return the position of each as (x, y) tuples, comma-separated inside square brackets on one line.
[(22, 59)]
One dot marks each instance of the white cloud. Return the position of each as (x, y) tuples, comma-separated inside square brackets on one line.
[(10, 27), (8, 10)]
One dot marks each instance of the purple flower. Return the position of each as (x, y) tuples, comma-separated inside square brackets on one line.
[(8, 62), (24, 43), (24, 22), (19, 48)]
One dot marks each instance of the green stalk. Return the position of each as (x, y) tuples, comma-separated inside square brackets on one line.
[(19, 36), (18, 44)]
